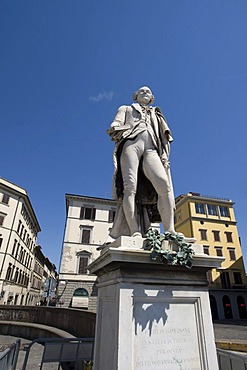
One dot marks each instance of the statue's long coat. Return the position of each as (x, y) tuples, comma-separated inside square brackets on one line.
[(146, 197)]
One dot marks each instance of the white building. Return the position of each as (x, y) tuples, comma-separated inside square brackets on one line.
[(18, 234), (88, 220), (23, 267)]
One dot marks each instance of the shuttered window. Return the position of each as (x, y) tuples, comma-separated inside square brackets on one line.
[(85, 236), (83, 263), (87, 213), (228, 236), (1, 220), (216, 235), (5, 199), (203, 233)]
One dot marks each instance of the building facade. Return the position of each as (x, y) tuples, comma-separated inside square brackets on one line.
[(211, 221), (88, 220), (21, 266), (43, 280)]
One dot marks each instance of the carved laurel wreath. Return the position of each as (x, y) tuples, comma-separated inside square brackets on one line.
[(183, 257)]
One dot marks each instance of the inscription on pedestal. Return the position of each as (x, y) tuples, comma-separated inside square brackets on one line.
[(128, 242), (168, 342)]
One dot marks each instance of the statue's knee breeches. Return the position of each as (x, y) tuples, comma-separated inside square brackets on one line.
[(130, 186), (129, 167)]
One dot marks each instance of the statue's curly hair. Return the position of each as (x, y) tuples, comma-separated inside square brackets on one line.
[(134, 97)]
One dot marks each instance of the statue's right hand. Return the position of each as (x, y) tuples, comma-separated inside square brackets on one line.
[(115, 135)]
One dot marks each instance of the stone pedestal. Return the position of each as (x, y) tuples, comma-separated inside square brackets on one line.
[(152, 316)]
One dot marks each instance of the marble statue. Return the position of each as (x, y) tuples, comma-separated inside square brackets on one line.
[(142, 182)]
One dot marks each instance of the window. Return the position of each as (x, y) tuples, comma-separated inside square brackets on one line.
[(237, 278), (232, 254), (206, 249), (212, 210), (19, 227), (26, 260), (5, 199), (225, 281), (20, 277), (26, 280), (2, 216), (1, 241), (224, 211), (228, 236), (17, 250), (216, 235), (22, 228), (21, 254), (83, 260), (219, 251), (83, 263), (111, 216), (85, 236), (12, 273), (87, 213), (203, 234), (13, 250), (8, 274), (200, 208)]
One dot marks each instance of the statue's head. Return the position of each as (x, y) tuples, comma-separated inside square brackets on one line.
[(143, 96)]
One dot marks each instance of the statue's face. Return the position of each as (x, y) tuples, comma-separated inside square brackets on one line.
[(144, 95)]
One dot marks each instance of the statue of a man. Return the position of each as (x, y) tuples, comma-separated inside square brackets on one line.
[(142, 182)]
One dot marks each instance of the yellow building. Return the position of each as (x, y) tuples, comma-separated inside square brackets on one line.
[(211, 221)]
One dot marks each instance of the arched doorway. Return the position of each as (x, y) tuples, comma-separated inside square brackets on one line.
[(241, 307), (80, 299), (227, 307), (214, 308)]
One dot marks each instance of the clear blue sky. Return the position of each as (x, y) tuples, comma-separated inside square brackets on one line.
[(66, 66)]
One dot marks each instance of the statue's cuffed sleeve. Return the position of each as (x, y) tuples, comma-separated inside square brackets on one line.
[(117, 127), (119, 119)]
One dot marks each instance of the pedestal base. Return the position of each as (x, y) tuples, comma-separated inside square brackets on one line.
[(152, 316)]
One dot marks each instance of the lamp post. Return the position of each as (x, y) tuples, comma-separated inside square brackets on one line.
[(62, 282), (50, 286)]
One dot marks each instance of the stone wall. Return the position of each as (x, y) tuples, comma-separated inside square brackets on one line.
[(76, 322)]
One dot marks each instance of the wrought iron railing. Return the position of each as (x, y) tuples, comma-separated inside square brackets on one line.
[(228, 360), (66, 353), (9, 357)]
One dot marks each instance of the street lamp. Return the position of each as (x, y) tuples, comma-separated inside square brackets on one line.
[(62, 282)]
